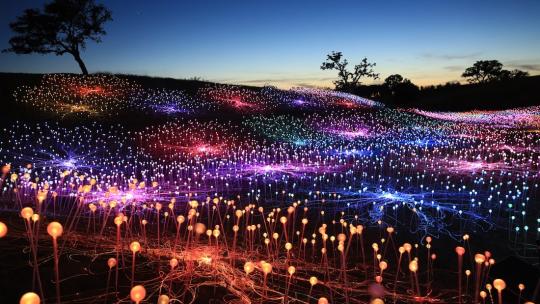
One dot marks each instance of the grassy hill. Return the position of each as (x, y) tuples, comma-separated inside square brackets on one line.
[(491, 96)]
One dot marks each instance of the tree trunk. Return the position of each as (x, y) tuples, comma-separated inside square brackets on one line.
[(79, 60)]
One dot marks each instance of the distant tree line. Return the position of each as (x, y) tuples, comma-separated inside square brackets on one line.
[(399, 91)]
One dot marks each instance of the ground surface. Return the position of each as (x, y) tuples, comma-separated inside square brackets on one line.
[(85, 151)]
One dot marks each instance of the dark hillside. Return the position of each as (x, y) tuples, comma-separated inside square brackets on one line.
[(497, 95), (455, 97)]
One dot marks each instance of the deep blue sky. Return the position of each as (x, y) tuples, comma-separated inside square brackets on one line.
[(284, 42)]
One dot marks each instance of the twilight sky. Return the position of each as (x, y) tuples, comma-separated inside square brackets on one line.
[(283, 43)]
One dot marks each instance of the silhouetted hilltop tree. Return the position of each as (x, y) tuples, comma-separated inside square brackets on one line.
[(514, 74), (398, 90), (405, 92), (348, 80), (62, 27), (453, 83), (392, 81), (484, 71)]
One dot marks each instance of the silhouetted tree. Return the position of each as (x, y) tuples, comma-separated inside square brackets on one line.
[(518, 74), (452, 83), (514, 74), (348, 80), (489, 70), (392, 81), (504, 75), (402, 90), (405, 92), (483, 71), (64, 26)]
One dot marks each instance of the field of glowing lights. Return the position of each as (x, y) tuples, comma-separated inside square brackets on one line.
[(228, 194)]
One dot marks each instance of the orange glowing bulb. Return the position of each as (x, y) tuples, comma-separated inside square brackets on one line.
[(290, 209), (249, 267), (200, 228), (460, 250), (266, 267), (163, 299), (137, 294), (499, 284), (3, 230), (111, 262), (322, 300), (30, 298), (288, 246), (479, 258), (413, 266), (55, 229), (135, 246), (118, 220), (291, 270), (6, 168), (407, 247), (27, 213), (313, 281), (483, 294)]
